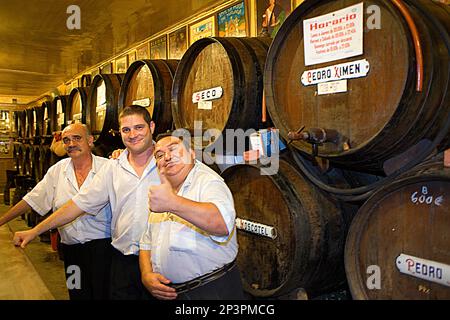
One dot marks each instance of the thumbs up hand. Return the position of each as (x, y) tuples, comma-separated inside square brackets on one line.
[(163, 196)]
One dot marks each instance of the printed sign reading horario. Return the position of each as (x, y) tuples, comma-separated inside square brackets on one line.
[(334, 36)]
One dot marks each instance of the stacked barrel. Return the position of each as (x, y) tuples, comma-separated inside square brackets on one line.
[(385, 133), (361, 187)]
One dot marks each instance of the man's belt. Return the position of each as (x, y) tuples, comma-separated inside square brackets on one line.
[(202, 280)]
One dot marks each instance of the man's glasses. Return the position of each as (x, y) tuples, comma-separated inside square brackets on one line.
[(67, 140)]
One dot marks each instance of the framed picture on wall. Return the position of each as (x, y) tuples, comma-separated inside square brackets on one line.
[(178, 43), (94, 72), (232, 21), (202, 29), (143, 51), (270, 15), (158, 48), (107, 68), (121, 64), (131, 57)]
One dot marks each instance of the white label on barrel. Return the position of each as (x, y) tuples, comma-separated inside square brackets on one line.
[(101, 108), (348, 70), (60, 119), (334, 36), (256, 228), (205, 105), (101, 94), (142, 102), (332, 87), (424, 269), (58, 107), (206, 95), (77, 117)]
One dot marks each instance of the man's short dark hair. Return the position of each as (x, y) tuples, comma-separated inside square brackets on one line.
[(173, 133), (135, 109)]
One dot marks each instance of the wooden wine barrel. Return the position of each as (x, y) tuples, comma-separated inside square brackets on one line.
[(30, 124), (301, 243), (36, 163), (86, 80), (77, 105), (228, 68), (38, 117), (380, 115), (47, 123), (148, 83), (45, 159), (22, 124), (16, 157), (27, 165), (398, 245), (15, 124), (59, 113), (102, 110)]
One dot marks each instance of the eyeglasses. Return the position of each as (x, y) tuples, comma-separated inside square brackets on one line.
[(67, 140)]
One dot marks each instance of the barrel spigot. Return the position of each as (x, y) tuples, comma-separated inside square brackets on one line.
[(316, 137)]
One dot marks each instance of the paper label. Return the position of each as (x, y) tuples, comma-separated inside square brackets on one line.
[(205, 105), (59, 107), (142, 102), (332, 87), (77, 117), (101, 94), (333, 36)]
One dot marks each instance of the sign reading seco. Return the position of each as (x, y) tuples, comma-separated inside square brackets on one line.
[(206, 95)]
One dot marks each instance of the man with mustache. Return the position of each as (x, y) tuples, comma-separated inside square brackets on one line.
[(123, 183), (189, 249), (86, 240)]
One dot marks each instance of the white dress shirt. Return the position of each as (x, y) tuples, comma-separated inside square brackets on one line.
[(118, 184), (57, 187), (179, 250)]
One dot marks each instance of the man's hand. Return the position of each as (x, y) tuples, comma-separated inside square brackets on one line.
[(22, 238), (156, 284), (116, 153), (161, 197)]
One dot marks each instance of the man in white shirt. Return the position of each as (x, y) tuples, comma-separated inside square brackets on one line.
[(86, 240), (123, 183), (190, 246)]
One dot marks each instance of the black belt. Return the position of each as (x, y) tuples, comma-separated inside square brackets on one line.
[(202, 280)]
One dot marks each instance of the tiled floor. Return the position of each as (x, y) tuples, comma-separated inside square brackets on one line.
[(35, 273)]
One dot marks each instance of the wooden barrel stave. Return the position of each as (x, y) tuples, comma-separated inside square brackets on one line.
[(59, 114), (148, 83), (311, 229), (103, 120), (76, 105), (397, 220), (395, 117), (235, 65)]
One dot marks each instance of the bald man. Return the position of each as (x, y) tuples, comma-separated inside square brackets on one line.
[(86, 240)]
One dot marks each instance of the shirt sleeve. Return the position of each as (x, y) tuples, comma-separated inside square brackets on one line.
[(41, 198), (218, 193), (145, 241), (94, 197)]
